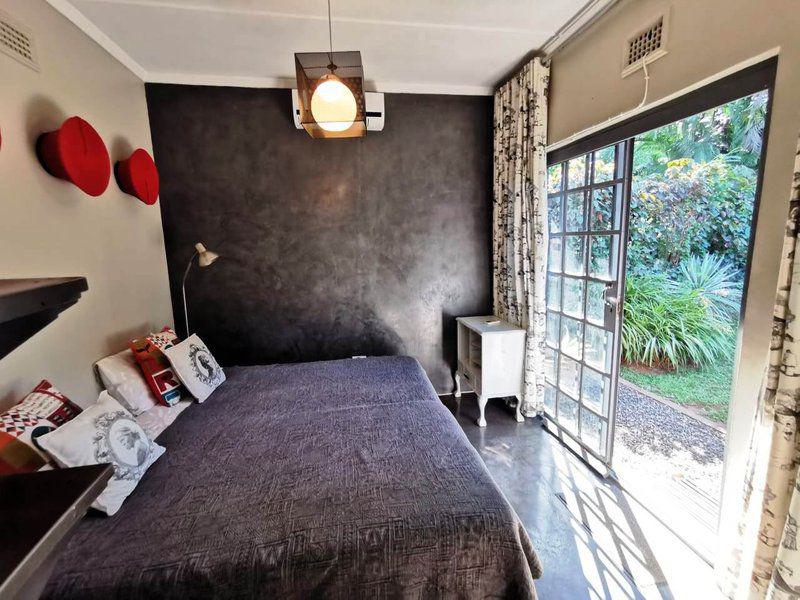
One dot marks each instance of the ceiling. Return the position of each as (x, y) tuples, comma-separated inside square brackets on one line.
[(426, 46)]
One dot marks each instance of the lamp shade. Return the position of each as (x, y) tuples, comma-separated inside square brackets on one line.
[(333, 105), (205, 257), (330, 88)]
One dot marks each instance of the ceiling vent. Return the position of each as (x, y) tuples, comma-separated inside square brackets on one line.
[(16, 40), (645, 46)]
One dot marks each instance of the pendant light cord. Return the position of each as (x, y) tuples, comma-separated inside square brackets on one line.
[(330, 31)]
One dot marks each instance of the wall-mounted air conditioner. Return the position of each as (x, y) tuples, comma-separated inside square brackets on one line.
[(373, 103)]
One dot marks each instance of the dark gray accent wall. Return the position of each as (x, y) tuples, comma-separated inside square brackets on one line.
[(330, 248)]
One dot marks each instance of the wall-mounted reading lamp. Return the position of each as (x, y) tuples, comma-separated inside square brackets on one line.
[(205, 258)]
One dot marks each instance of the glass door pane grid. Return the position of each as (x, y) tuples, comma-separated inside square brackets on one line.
[(606, 375), (624, 166), (590, 185)]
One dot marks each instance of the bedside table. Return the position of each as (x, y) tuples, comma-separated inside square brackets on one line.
[(491, 360), (37, 513)]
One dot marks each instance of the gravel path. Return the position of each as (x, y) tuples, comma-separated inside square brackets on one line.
[(661, 447), (644, 424)]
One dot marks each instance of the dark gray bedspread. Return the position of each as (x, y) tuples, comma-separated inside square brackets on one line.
[(341, 479)]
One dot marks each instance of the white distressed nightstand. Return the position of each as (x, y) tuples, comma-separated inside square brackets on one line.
[(491, 359)]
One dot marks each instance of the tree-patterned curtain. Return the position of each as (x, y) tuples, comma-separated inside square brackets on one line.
[(760, 556), (520, 215)]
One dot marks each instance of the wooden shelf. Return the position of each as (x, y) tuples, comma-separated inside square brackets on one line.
[(29, 305)]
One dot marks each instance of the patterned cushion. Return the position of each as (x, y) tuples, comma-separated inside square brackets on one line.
[(105, 433), (40, 412), (156, 368), (47, 402), (196, 367)]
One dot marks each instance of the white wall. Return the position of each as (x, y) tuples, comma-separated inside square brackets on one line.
[(49, 228), (706, 37)]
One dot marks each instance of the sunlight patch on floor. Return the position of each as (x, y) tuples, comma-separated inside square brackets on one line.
[(625, 552)]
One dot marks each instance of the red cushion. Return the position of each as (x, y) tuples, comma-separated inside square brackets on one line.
[(76, 153), (156, 368), (138, 176)]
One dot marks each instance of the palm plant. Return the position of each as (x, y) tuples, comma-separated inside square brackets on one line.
[(735, 130), (669, 326), (716, 282)]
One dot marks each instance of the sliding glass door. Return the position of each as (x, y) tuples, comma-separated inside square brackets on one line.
[(585, 282)]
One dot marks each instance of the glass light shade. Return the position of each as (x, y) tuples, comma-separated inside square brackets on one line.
[(330, 93), (333, 104)]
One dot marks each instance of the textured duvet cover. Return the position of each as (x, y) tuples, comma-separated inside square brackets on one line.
[(340, 479)]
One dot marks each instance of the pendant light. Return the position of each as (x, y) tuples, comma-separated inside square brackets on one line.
[(330, 88)]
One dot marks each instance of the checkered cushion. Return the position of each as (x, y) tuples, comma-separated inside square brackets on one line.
[(40, 412), (15, 422), (47, 402)]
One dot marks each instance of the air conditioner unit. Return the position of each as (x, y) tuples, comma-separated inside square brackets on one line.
[(373, 102)]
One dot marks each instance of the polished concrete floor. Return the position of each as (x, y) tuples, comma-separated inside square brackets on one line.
[(595, 540)]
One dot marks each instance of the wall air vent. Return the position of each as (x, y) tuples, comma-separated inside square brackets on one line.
[(646, 45), (16, 40)]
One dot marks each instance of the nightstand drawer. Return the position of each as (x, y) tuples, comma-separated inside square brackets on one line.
[(473, 378)]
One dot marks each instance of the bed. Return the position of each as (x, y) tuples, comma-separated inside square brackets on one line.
[(337, 479)]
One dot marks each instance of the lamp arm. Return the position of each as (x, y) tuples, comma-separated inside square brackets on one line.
[(183, 291)]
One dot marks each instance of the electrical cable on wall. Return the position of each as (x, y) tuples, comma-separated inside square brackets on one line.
[(620, 116), (646, 86)]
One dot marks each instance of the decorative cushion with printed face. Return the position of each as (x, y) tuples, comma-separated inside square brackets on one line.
[(196, 367), (105, 433), (40, 412), (157, 371)]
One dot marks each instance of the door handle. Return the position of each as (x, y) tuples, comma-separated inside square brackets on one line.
[(610, 297)]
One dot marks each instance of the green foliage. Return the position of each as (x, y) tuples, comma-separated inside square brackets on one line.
[(717, 284), (734, 129), (691, 209), (669, 326), (694, 186)]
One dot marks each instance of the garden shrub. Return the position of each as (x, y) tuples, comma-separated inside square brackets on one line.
[(691, 209), (669, 326), (693, 190)]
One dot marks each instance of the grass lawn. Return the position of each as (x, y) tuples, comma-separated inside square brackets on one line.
[(708, 389)]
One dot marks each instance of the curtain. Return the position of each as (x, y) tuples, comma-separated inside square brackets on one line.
[(520, 215), (760, 552)]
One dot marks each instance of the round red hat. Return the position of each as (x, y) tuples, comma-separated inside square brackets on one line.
[(137, 175), (76, 153)]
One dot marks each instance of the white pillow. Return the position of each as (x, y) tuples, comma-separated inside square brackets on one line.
[(122, 377), (105, 433), (195, 366), (158, 418)]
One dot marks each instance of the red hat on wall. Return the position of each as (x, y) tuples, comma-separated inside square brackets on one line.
[(138, 176), (76, 153)]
